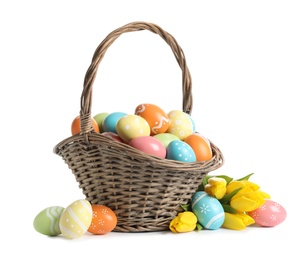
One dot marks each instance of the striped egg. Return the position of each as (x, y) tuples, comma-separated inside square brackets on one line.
[(76, 219), (208, 210), (47, 221)]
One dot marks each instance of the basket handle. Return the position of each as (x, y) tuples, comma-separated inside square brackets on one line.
[(86, 96)]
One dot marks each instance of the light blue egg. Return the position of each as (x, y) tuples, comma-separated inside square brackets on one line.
[(110, 122), (180, 151), (193, 123), (208, 210)]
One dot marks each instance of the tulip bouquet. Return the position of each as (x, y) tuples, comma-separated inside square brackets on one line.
[(238, 197)]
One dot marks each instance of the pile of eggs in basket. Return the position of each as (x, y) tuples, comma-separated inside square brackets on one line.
[(151, 130)]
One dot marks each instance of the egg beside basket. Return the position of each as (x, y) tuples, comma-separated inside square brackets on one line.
[(143, 190)]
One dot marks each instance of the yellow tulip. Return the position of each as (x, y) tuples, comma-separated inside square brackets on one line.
[(184, 222), (216, 187), (233, 185), (237, 221), (247, 200)]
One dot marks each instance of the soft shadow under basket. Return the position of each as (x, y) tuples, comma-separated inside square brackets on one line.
[(144, 191)]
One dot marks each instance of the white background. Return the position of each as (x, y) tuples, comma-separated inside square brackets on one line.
[(244, 58)]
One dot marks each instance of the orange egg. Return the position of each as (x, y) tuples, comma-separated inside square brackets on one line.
[(104, 220), (200, 145), (75, 127), (155, 116)]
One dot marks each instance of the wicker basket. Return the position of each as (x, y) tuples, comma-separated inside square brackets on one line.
[(144, 191)]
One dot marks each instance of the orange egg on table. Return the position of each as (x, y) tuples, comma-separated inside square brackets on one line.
[(200, 145), (155, 116), (104, 220), (75, 127)]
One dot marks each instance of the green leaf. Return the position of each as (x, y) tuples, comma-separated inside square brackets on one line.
[(204, 182), (229, 209), (227, 197), (199, 227), (186, 207), (246, 177)]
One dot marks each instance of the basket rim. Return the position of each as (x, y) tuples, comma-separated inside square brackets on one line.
[(96, 139)]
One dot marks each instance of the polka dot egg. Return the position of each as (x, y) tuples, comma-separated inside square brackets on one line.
[(131, 126), (180, 151), (76, 219), (180, 124)]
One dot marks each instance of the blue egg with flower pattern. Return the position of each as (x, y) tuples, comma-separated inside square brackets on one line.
[(208, 210)]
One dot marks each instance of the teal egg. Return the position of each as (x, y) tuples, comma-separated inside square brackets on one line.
[(208, 210), (109, 123), (47, 221), (180, 151)]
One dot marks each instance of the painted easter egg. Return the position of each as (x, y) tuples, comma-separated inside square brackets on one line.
[(131, 126), (180, 151), (109, 123), (166, 138), (155, 116), (193, 123), (76, 219), (149, 145), (180, 124), (208, 210), (47, 221), (113, 136), (104, 220), (200, 145), (270, 214)]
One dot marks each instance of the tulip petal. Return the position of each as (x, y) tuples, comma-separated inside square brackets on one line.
[(233, 221)]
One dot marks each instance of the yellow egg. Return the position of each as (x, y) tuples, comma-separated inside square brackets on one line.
[(131, 126), (76, 219), (180, 124)]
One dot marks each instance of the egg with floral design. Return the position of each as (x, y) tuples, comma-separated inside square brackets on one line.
[(208, 210), (270, 214), (104, 220)]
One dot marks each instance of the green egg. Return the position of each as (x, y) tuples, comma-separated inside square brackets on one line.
[(47, 221), (166, 138), (100, 118)]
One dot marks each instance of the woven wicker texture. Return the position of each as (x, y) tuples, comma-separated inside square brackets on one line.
[(144, 191)]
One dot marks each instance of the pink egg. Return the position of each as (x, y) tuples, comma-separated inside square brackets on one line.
[(149, 145), (269, 214), (113, 136)]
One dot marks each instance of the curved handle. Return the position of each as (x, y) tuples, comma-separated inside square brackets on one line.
[(86, 97)]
